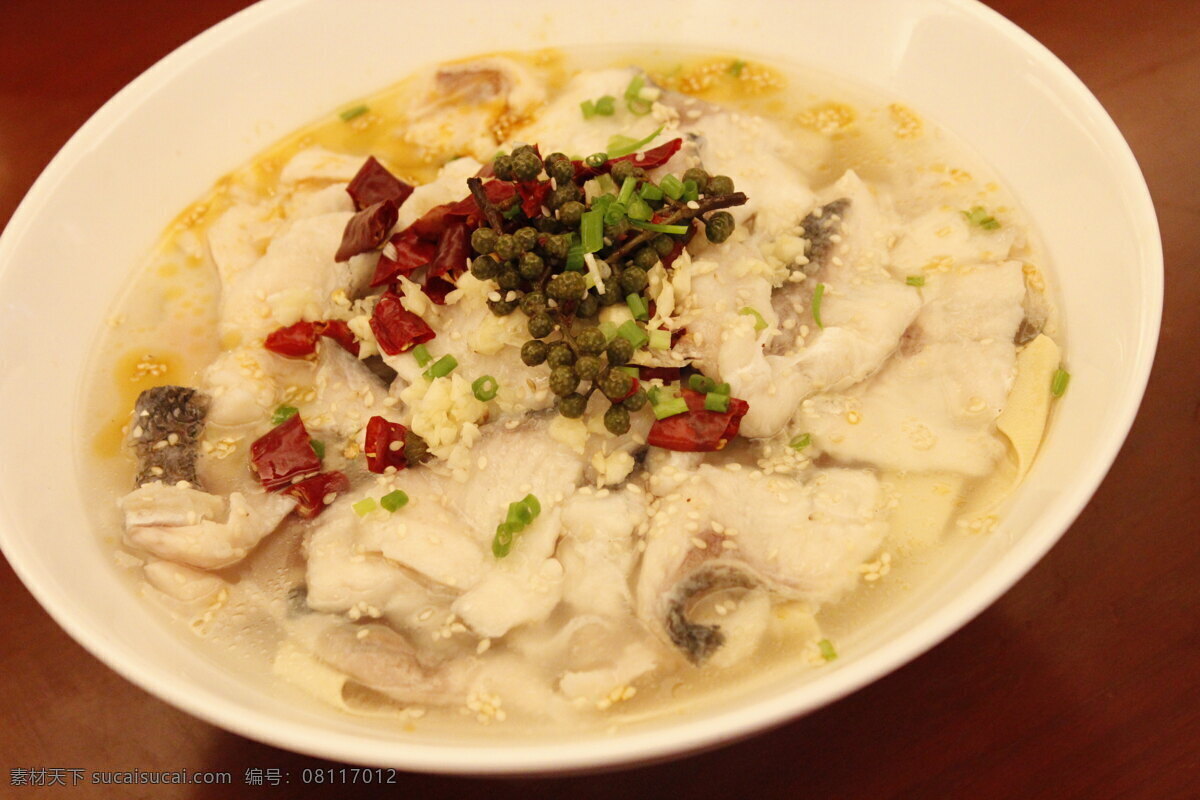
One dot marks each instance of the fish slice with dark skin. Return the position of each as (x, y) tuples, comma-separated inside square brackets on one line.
[(168, 423)]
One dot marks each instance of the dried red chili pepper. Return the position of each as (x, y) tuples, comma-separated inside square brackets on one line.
[(396, 328), (698, 430), (294, 341), (310, 493), (367, 229), (283, 454), (373, 184), (340, 332), (654, 157), (380, 437), (411, 252)]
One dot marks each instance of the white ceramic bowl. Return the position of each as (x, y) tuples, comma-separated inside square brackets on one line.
[(230, 92)]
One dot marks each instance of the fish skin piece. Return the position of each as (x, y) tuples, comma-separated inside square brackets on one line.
[(167, 424)]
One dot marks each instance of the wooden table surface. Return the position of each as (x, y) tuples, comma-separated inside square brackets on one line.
[(1081, 682)]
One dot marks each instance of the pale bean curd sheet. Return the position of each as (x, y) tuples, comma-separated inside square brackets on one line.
[(897, 409)]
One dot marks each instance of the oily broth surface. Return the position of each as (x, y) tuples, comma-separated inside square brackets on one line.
[(163, 328)]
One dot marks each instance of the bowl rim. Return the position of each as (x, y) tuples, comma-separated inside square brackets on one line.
[(641, 746)]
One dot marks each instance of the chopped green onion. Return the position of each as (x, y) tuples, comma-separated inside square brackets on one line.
[(716, 402), (702, 383), (633, 332), (591, 231), (677, 230), (979, 216), (639, 210), (672, 187), (818, 293), (365, 506), (511, 213), (655, 393), (660, 340), (588, 107), (608, 189), (800, 442), (650, 192), (609, 329), (624, 145), (735, 69), (627, 187), (442, 367), (596, 160), (669, 408), (606, 105), (613, 213), (502, 543), (351, 113), (485, 388), (633, 97), (827, 651), (575, 260), (283, 414), (394, 501), (318, 447), (632, 372), (722, 388), (691, 191), (759, 322), (421, 354), (1058, 384), (534, 505), (915, 280), (637, 306), (519, 514)]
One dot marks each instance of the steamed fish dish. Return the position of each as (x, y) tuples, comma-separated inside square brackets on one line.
[(532, 392)]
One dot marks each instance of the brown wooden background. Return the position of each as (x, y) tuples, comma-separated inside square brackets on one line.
[(1081, 682)]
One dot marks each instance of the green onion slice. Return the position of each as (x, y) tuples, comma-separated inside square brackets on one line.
[(660, 339), (638, 307), (633, 97), (633, 332), (979, 216), (609, 329), (588, 107), (827, 651), (606, 105), (818, 293), (591, 231), (421, 354), (394, 501), (519, 515), (650, 192), (722, 388), (669, 407), (502, 543), (318, 447), (356, 111), (532, 501), (596, 160), (716, 402), (735, 68), (283, 414), (632, 372), (759, 322), (365, 506), (672, 187), (1058, 384), (575, 261), (485, 388), (620, 145), (627, 188), (702, 383), (442, 367), (677, 230), (915, 280), (691, 191), (639, 210), (800, 442)]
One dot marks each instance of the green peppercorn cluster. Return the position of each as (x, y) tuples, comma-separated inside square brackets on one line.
[(537, 265)]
